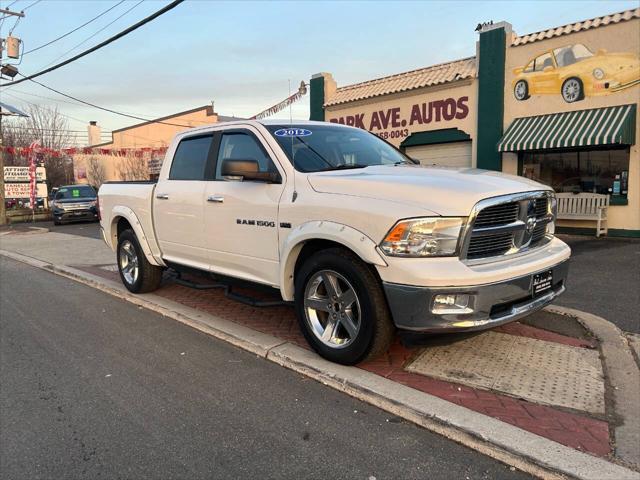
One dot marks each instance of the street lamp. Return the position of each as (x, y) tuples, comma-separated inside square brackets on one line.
[(8, 71)]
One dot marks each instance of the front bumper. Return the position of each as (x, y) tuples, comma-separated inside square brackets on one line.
[(493, 304), (61, 215)]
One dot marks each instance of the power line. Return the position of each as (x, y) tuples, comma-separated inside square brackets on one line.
[(104, 108), (112, 39), (51, 129), (31, 5), (75, 29), (83, 121), (93, 35), (56, 100)]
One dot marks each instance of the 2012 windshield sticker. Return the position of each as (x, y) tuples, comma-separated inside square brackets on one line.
[(292, 132)]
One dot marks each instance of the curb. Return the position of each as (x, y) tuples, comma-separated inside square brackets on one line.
[(524, 450), (624, 379)]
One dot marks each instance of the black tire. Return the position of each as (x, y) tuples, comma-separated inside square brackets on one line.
[(521, 90), (572, 90), (375, 329), (148, 277)]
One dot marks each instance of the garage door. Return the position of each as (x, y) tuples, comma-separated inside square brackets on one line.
[(456, 154)]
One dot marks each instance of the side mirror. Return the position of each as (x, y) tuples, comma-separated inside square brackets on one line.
[(247, 170)]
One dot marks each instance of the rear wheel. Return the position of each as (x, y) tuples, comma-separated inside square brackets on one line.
[(341, 307), (137, 274), (521, 90)]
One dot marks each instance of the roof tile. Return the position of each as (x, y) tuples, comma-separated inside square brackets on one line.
[(578, 26), (423, 77)]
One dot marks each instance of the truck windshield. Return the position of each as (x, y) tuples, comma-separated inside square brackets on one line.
[(318, 148), (75, 192)]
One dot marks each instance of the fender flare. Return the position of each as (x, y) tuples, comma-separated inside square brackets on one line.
[(349, 237), (121, 211)]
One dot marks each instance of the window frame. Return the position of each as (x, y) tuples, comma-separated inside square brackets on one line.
[(217, 142), (620, 199), (207, 163), (553, 61)]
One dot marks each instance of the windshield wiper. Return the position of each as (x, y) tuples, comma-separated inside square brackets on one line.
[(345, 166)]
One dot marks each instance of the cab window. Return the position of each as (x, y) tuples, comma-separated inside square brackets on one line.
[(242, 146), (543, 61), (190, 159)]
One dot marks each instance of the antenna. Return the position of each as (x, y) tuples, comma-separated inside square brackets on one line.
[(293, 161)]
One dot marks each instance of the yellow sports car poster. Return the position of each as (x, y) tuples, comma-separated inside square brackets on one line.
[(575, 72)]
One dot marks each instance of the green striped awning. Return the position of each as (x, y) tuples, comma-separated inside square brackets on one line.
[(580, 128)]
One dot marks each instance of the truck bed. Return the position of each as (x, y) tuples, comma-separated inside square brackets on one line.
[(132, 200)]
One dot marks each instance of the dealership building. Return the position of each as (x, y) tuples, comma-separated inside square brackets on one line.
[(559, 106)]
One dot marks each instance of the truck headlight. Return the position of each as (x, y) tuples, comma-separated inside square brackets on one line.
[(423, 237), (598, 73)]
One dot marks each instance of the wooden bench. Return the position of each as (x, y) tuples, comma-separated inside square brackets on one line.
[(584, 206)]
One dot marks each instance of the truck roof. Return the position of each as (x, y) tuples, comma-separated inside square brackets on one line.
[(283, 122)]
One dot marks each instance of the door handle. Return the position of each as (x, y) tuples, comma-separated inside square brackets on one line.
[(162, 196), (215, 199)]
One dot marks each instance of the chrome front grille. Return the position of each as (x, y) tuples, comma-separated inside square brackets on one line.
[(490, 245), (506, 225), (498, 215)]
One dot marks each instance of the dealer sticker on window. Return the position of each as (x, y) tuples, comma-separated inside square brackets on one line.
[(292, 132)]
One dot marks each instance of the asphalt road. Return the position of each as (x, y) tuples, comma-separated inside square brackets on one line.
[(94, 387), (604, 279), (83, 229)]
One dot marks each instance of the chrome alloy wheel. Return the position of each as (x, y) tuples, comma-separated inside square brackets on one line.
[(571, 90), (129, 262), (520, 90), (332, 309)]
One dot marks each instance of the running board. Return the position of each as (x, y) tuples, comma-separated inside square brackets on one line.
[(228, 293)]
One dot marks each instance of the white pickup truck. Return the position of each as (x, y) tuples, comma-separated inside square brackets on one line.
[(361, 238)]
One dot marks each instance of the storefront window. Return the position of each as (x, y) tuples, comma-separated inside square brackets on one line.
[(595, 171)]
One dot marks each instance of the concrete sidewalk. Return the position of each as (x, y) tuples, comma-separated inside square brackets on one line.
[(517, 409)]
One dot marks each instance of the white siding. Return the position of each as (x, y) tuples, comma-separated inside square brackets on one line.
[(456, 154)]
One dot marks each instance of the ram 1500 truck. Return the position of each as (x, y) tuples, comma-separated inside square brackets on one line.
[(357, 235)]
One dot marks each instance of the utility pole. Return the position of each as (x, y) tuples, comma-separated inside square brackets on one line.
[(3, 213)]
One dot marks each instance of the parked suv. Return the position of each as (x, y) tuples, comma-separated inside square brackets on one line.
[(72, 203), (361, 238)]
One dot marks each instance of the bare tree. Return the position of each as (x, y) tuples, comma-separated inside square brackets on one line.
[(96, 174), (132, 167), (51, 130)]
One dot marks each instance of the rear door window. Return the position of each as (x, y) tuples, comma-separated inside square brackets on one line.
[(190, 159)]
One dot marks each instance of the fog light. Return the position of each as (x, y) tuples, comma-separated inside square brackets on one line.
[(451, 303)]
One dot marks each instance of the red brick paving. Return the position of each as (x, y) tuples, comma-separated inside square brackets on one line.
[(523, 330), (576, 431), (580, 432)]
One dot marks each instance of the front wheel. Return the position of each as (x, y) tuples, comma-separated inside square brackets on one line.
[(136, 273), (572, 90), (341, 307), (521, 90)]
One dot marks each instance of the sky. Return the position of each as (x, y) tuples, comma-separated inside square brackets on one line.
[(243, 55)]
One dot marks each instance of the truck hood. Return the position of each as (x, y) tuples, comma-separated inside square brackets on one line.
[(439, 190)]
